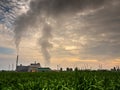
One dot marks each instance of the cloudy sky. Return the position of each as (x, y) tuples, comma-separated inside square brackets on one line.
[(68, 33)]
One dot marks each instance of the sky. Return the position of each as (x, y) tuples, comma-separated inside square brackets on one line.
[(67, 33)]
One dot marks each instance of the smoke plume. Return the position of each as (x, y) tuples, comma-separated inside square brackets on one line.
[(44, 42), (40, 10)]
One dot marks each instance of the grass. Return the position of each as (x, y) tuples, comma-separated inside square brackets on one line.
[(78, 80)]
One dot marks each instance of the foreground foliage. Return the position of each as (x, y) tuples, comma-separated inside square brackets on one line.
[(78, 80)]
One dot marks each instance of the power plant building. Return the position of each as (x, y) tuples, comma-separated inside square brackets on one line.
[(33, 67), (45, 69), (22, 68)]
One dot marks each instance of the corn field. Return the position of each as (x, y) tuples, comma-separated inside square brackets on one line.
[(77, 80)]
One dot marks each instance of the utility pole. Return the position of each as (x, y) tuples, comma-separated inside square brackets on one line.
[(12, 66), (9, 67)]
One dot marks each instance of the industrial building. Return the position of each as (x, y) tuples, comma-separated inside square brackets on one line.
[(45, 69), (22, 68), (33, 67)]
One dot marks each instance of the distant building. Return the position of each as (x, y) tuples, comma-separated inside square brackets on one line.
[(31, 68), (34, 67), (22, 68), (44, 69)]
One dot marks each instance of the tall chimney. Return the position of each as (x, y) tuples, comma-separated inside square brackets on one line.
[(16, 62)]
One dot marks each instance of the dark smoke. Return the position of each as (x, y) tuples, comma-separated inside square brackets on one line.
[(8, 14), (56, 7), (21, 26), (40, 10)]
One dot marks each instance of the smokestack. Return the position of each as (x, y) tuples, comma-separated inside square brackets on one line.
[(16, 62)]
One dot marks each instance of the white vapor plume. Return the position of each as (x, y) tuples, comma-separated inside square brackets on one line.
[(44, 42)]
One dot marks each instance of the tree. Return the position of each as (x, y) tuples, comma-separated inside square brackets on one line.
[(76, 69), (61, 69)]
